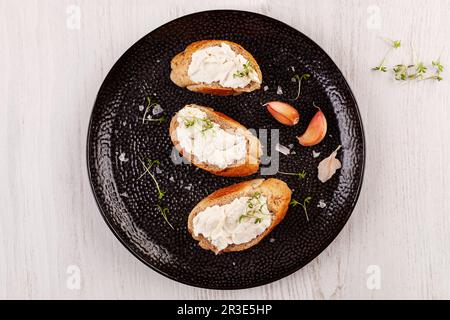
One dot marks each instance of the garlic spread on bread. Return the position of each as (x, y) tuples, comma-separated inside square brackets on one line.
[(238, 222), (207, 141), (221, 64)]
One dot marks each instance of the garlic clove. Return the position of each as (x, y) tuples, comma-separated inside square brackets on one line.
[(315, 132), (283, 112), (328, 166)]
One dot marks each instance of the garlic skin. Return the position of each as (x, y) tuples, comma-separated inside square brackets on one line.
[(328, 166)]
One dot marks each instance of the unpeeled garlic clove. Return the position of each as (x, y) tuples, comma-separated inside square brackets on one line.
[(315, 132), (283, 112)]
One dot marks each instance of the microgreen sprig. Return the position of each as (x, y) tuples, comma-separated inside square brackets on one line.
[(205, 122), (401, 71), (418, 70), (254, 209), (151, 105), (306, 201), (164, 211), (150, 164), (439, 68), (299, 79), (248, 67), (437, 64), (160, 120), (147, 166), (395, 44), (301, 174)]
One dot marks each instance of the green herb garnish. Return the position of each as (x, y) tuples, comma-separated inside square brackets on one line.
[(299, 79), (151, 105), (420, 69), (306, 201), (164, 212), (150, 164), (301, 174), (205, 123), (254, 209), (189, 122), (439, 68), (401, 71), (248, 67), (160, 120), (415, 71), (437, 64), (395, 44)]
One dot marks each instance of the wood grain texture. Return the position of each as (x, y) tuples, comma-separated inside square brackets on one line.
[(49, 77)]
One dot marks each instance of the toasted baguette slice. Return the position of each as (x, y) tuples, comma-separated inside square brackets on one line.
[(252, 160), (278, 198), (180, 65)]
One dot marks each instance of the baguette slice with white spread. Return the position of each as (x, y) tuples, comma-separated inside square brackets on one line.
[(251, 151), (181, 65), (278, 197)]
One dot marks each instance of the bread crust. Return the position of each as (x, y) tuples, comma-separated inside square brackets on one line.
[(180, 65), (252, 159), (278, 198)]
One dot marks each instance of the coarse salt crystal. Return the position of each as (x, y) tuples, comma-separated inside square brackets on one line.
[(122, 157), (321, 204), (279, 90), (157, 109)]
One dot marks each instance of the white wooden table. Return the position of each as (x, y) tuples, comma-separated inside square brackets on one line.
[(54, 54)]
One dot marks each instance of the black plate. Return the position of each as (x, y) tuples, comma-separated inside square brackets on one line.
[(129, 205)]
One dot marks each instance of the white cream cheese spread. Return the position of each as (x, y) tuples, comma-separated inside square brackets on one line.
[(207, 141), (237, 222), (221, 64)]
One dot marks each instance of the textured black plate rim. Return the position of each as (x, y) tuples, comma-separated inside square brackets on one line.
[(281, 275)]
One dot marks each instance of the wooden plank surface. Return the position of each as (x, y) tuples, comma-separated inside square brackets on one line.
[(53, 57)]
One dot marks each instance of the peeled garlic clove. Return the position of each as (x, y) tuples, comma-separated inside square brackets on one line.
[(283, 112), (316, 131), (328, 166)]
